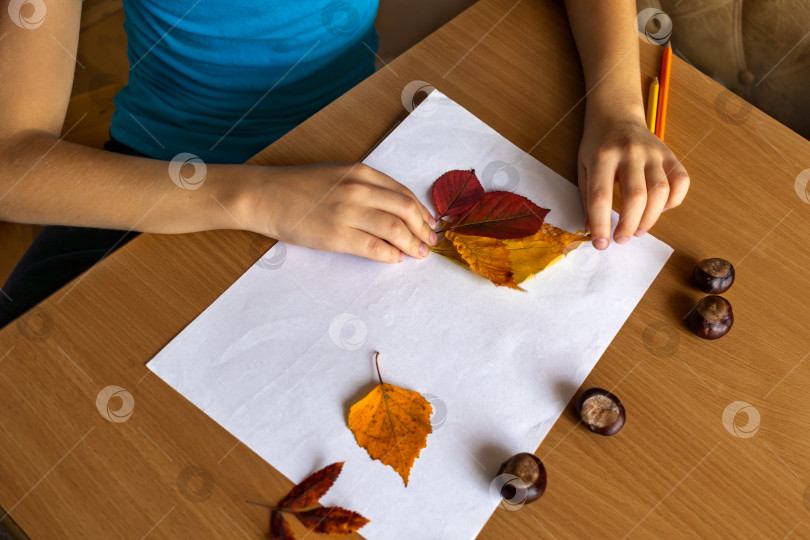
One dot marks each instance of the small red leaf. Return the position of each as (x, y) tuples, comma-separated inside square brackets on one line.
[(455, 192), (332, 520), (279, 528), (501, 214), (313, 487)]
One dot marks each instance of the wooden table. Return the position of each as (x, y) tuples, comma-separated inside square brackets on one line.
[(171, 472)]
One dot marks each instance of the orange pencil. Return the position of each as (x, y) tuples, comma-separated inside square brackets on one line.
[(663, 92)]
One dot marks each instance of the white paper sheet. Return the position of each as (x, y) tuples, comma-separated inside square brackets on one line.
[(278, 359)]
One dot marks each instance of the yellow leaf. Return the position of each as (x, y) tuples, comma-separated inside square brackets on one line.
[(510, 262), (486, 257), (532, 254), (392, 424), (446, 249)]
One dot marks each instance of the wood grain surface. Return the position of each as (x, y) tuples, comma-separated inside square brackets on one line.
[(168, 471)]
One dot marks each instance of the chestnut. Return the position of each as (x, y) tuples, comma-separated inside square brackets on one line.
[(527, 478), (600, 411), (713, 276), (711, 318)]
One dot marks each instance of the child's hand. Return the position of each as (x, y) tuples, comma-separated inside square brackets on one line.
[(650, 178), (343, 207)]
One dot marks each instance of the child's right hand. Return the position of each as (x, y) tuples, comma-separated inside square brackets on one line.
[(342, 207)]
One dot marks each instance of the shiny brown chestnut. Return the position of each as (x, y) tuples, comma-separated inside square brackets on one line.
[(711, 318), (714, 275), (527, 478), (601, 411)]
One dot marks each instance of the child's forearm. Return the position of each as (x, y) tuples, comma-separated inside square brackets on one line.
[(616, 143), (608, 49), (47, 181), (347, 208), (334, 207)]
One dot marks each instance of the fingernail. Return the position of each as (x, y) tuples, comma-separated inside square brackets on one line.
[(423, 249), (401, 256), (600, 243), (433, 238), (621, 239), (665, 208), (640, 232), (432, 222)]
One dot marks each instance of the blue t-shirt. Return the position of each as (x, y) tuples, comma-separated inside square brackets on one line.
[(222, 80)]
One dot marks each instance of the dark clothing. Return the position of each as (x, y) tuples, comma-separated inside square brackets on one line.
[(57, 255)]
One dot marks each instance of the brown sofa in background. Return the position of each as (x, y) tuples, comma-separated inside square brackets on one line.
[(759, 49)]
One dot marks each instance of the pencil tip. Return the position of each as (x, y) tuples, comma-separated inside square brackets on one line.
[(669, 44), (655, 80)]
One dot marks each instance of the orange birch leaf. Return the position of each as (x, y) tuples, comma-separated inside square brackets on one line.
[(392, 424), (331, 520)]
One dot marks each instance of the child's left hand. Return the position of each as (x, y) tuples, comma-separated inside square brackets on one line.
[(651, 180)]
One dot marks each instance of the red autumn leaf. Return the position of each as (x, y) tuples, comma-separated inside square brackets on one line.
[(455, 192), (332, 520), (313, 487), (502, 237), (501, 214), (279, 528)]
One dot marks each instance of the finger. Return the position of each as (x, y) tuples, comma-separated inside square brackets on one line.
[(405, 208), (657, 195), (678, 182), (582, 184), (600, 200), (633, 188), (371, 247), (383, 180), (393, 230)]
